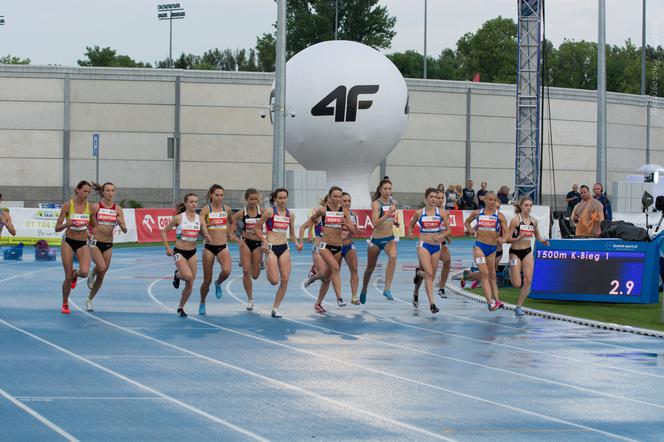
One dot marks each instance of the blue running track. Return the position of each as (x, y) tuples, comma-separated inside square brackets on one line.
[(133, 370)]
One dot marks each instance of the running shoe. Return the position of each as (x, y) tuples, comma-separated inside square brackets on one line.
[(217, 290), (492, 306), (416, 300), (201, 309), (74, 279), (88, 305), (182, 313), (354, 300), (433, 308), (275, 313), (463, 283), (441, 293), (519, 311), (341, 303), (92, 277), (499, 304), (363, 297), (388, 295), (310, 279), (65, 309), (176, 280), (250, 304), (417, 279), (474, 284), (319, 308)]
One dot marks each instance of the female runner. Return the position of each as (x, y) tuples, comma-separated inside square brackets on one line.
[(348, 252), (383, 218), (6, 220), (334, 217), (318, 267), (75, 220), (521, 231), (187, 224), (445, 257), (278, 222), (107, 215), (250, 245), (429, 220), (489, 225), (219, 227)]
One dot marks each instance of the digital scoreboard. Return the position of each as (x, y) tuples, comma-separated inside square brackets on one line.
[(601, 270)]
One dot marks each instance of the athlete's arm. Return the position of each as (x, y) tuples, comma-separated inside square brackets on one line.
[(237, 216), (411, 226), (231, 224), (8, 223), (538, 236), (60, 224), (163, 232), (305, 225), (510, 231), (503, 227), (377, 220), (393, 213), (204, 232), (258, 229), (121, 219), (446, 221), (291, 227), (352, 228), (466, 224)]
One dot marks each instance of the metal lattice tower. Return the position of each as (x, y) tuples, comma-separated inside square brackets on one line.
[(528, 75)]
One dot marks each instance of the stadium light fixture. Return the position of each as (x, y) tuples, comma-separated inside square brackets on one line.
[(170, 12)]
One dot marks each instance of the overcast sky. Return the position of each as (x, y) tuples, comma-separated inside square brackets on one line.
[(57, 32)]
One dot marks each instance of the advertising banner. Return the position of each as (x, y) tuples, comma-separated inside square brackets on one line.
[(150, 221)]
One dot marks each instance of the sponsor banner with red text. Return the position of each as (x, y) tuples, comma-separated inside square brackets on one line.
[(149, 222)]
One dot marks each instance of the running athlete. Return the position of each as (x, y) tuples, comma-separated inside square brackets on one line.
[(348, 252), (220, 226), (75, 220), (334, 217), (429, 219), (250, 245), (106, 215), (383, 219), (187, 224), (6, 220), (522, 229), (475, 276), (487, 231), (279, 221), (445, 257), (318, 268)]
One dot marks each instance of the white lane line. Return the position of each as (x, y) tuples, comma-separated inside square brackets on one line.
[(393, 376), (136, 383), (451, 358), (264, 378), (20, 275), (37, 416), (86, 398), (513, 347)]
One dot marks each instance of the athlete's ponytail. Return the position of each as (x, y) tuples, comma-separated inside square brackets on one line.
[(213, 188), (381, 184), (323, 201), (182, 207), (275, 193)]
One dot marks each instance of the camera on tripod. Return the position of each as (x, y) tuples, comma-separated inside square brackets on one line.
[(646, 202)]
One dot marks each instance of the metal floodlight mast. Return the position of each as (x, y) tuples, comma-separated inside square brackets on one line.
[(527, 168), (170, 12)]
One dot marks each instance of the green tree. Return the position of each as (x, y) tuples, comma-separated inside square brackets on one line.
[(491, 51), (11, 59), (574, 65), (312, 21), (266, 50), (108, 57)]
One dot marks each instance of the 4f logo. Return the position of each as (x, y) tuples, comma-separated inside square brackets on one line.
[(345, 105)]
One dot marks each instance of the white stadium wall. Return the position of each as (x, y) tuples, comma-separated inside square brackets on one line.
[(44, 110)]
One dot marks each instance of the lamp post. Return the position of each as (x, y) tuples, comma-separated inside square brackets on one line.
[(425, 39), (279, 105), (170, 12)]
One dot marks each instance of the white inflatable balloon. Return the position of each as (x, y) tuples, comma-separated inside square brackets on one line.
[(351, 109)]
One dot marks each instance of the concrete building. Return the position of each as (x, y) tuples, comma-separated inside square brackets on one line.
[(48, 116)]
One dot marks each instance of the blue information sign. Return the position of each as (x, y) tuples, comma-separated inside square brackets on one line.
[(95, 145), (602, 270)]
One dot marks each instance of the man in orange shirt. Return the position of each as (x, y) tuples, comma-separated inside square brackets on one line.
[(588, 214)]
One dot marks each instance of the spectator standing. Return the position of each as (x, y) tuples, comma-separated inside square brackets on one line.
[(573, 198), (588, 214), (480, 195), (503, 195), (451, 198), (598, 194), (468, 197)]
